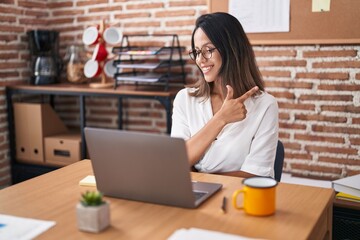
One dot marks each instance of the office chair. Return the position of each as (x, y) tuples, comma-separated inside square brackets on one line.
[(279, 161)]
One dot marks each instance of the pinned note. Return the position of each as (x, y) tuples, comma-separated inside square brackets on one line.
[(88, 181), (321, 5)]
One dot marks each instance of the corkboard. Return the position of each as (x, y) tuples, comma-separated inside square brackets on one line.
[(341, 25)]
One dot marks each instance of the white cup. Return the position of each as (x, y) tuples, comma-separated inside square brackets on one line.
[(91, 36), (92, 68), (112, 35), (109, 68)]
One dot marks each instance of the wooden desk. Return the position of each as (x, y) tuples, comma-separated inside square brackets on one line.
[(81, 91), (303, 212)]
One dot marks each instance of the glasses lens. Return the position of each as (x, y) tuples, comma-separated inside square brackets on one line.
[(193, 54)]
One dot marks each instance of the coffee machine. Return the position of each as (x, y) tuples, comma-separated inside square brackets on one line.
[(46, 64)]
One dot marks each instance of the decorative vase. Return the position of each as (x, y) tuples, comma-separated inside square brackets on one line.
[(93, 218)]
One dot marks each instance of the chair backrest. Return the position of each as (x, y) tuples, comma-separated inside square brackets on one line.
[(279, 161)]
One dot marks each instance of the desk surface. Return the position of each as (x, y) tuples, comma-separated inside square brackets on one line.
[(133, 90), (303, 212)]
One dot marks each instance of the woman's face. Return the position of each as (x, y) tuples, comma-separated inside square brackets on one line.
[(211, 66)]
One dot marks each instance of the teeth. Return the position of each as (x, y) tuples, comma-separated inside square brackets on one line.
[(206, 69)]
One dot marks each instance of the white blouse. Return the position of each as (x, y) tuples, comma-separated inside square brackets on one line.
[(248, 145)]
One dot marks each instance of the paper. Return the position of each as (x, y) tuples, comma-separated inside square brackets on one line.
[(200, 234), (88, 181), (19, 228), (320, 5), (262, 15), (349, 185)]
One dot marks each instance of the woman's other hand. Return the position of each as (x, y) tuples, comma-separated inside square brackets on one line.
[(234, 110)]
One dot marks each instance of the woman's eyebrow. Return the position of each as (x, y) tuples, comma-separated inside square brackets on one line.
[(204, 45)]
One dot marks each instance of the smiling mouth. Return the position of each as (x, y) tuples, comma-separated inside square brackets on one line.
[(206, 69)]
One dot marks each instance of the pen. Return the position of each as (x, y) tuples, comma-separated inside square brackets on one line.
[(223, 205)]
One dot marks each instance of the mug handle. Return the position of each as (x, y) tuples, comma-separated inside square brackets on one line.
[(234, 199)]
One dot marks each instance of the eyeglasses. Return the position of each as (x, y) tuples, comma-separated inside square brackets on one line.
[(205, 52)]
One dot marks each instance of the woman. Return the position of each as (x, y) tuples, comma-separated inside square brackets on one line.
[(229, 122)]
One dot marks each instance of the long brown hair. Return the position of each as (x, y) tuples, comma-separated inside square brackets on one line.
[(239, 68)]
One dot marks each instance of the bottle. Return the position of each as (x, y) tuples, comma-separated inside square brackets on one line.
[(75, 64)]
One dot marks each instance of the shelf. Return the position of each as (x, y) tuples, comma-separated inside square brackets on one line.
[(148, 65), (141, 61), (145, 51), (146, 77)]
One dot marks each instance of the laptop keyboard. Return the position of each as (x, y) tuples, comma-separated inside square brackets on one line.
[(199, 195)]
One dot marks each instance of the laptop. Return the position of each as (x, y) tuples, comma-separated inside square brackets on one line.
[(144, 167)]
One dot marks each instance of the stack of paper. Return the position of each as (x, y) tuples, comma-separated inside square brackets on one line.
[(202, 234), (349, 185), (19, 228)]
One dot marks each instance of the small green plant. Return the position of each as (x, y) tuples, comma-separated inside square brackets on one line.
[(92, 198)]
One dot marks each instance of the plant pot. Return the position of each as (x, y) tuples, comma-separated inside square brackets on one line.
[(93, 218)]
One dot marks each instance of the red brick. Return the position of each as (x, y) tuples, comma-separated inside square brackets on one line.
[(332, 129), (356, 120), (57, 5), (351, 172), (355, 141), (105, 9), (144, 6), (345, 161), (267, 73), (287, 95), (13, 65), (33, 21), (300, 106), (8, 38), (72, 12), (340, 64), (132, 15), (322, 75), (316, 168), (316, 138), (283, 135), (341, 108), (181, 23), (36, 13), (357, 76), (287, 84), (10, 10), (284, 116), (284, 63), (32, 4), (8, 74), (277, 53), (10, 28), (338, 150), (169, 14), (60, 21), (317, 117), (327, 97), (90, 2), (187, 3), (300, 156), (291, 146), (329, 53), (8, 19), (338, 87), (143, 24)]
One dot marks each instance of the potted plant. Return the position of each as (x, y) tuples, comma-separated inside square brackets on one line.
[(93, 213)]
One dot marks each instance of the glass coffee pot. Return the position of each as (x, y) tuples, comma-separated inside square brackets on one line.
[(75, 60)]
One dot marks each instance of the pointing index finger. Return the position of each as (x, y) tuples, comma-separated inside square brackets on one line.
[(248, 94)]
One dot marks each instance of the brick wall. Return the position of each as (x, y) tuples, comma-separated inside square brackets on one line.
[(317, 87)]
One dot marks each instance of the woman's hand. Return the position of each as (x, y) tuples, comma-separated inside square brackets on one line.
[(233, 109)]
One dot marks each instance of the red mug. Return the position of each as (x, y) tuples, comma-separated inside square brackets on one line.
[(100, 52), (91, 35), (92, 68)]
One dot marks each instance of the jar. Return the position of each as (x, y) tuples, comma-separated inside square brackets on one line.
[(75, 64)]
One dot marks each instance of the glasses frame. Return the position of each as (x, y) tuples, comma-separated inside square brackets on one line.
[(203, 52)]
